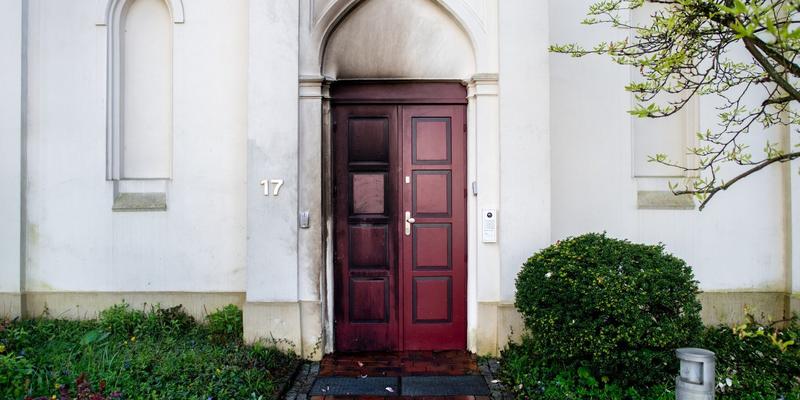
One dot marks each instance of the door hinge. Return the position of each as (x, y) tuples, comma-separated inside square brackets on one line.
[(465, 127), (334, 126)]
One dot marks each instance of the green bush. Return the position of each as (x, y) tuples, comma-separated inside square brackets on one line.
[(83, 390), (173, 320), (15, 375), (531, 378), (226, 324), (121, 319), (756, 360), (616, 308), (153, 354)]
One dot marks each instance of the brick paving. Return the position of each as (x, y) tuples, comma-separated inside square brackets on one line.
[(490, 369), (302, 382)]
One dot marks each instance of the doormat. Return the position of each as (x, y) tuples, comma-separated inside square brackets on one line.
[(341, 386), (469, 385)]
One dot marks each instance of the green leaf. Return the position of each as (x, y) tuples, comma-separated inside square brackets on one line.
[(94, 336)]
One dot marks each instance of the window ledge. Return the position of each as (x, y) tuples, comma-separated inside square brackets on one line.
[(663, 200), (140, 202)]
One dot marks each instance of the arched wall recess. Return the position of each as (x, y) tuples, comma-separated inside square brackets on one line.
[(153, 81), (327, 20), (105, 10), (424, 42)]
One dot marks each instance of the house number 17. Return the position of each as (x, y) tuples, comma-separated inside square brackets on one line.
[(276, 186)]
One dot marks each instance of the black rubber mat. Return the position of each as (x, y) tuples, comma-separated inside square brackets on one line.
[(470, 385), (341, 386)]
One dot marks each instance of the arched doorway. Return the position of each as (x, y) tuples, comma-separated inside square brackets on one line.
[(399, 176)]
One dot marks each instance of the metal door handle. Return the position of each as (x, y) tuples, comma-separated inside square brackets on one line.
[(409, 221)]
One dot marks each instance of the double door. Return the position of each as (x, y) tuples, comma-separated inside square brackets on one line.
[(400, 227)]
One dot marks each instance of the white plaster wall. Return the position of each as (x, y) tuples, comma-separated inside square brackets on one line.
[(272, 135), (10, 137), (562, 128), (738, 242), (793, 273), (524, 224), (75, 241)]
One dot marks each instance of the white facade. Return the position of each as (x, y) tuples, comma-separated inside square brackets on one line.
[(550, 146)]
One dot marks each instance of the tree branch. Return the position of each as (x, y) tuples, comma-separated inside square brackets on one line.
[(777, 100), (770, 69), (726, 185), (793, 68)]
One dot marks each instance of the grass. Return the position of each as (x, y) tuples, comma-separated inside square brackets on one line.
[(159, 354)]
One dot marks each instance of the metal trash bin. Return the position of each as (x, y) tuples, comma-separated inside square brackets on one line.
[(696, 380)]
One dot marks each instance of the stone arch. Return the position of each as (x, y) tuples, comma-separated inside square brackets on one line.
[(458, 12)]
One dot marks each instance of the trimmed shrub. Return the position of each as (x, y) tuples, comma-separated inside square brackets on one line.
[(617, 308)]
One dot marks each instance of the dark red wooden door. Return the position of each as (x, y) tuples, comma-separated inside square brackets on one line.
[(400, 227), (433, 257)]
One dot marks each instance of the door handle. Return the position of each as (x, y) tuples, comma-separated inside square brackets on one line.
[(409, 220)]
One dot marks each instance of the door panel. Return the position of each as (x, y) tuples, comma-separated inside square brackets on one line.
[(365, 265), (400, 284), (433, 258)]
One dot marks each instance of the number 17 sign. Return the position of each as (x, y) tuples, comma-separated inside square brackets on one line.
[(275, 184)]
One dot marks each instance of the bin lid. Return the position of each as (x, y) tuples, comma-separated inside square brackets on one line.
[(694, 354)]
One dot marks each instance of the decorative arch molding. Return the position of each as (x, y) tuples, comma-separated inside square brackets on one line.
[(108, 10), (323, 25)]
